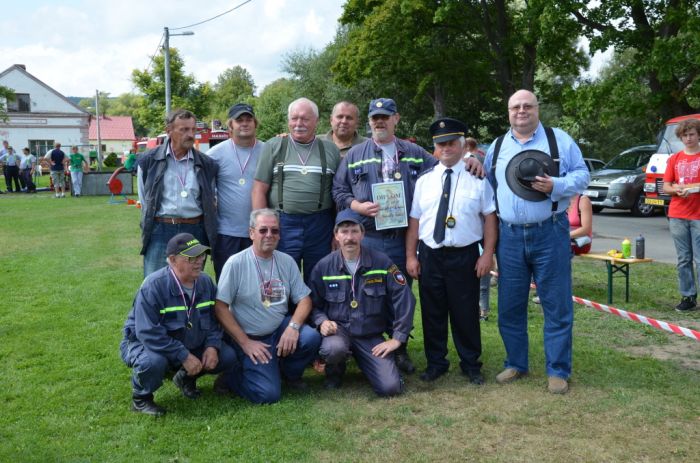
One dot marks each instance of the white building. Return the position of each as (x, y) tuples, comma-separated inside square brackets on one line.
[(40, 116)]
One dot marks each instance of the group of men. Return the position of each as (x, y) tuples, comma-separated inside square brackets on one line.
[(272, 211), (17, 169)]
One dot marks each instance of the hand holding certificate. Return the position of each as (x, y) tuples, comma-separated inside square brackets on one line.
[(391, 198)]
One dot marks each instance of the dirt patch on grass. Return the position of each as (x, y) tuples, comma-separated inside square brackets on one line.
[(679, 349)]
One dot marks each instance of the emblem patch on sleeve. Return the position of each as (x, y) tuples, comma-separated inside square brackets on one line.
[(398, 276)]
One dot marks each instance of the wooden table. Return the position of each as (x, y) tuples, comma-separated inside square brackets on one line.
[(614, 265)]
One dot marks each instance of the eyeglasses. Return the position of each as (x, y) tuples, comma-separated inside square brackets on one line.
[(524, 107), (271, 231), (192, 260)]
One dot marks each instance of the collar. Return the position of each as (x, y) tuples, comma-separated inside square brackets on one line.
[(534, 135), (365, 260)]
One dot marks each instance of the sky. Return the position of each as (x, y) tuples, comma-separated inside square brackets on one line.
[(79, 46)]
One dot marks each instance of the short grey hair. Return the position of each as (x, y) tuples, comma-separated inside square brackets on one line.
[(264, 212), (178, 114), (314, 106)]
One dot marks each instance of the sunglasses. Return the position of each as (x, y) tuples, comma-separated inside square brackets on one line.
[(271, 231), (192, 260)]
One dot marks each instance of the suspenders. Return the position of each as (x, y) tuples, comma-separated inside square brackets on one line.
[(553, 152), (279, 163)]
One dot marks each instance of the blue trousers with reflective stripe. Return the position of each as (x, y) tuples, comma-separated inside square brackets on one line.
[(306, 237)]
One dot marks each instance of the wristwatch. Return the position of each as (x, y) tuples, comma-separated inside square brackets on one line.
[(294, 325)]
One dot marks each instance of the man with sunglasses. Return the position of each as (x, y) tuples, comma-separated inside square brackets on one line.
[(255, 289), (172, 326)]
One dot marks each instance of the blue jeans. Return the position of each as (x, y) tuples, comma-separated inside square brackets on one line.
[(154, 258), (306, 237), (686, 238), (76, 178), (262, 383), (542, 251)]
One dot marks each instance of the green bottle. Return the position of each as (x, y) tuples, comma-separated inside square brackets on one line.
[(626, 248)]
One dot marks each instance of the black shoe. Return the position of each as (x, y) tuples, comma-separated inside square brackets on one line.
[(296, 384), (431, 374), (687, 304), (186, 384), (476, 378), (147, 406), (334, 375), (403, 361)]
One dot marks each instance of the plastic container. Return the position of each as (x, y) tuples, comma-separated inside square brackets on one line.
[(639, 247), (626, 248)]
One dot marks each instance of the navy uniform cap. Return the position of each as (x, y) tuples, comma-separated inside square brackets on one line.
[(385, 106), (447, 129)]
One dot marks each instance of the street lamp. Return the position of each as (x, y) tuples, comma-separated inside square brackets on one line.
[(167, 66)]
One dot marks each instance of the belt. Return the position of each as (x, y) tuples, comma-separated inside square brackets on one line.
[(178, 220), (554, 217)]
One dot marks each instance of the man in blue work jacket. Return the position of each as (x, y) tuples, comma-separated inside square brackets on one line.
[(358, 294), (172, 326)]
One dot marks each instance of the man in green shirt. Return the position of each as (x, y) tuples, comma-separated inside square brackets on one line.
[(77, 165)]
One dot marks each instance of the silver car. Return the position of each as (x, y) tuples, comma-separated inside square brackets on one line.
[(620, 183)]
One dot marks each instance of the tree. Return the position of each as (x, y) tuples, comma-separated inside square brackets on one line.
[(88, 104), (5, 94), (662, 38), (234, 85), (271, 107), (186, 92), (127, 104)]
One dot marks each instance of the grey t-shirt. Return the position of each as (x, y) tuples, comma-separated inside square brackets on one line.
[(240, 288), (233, 187)]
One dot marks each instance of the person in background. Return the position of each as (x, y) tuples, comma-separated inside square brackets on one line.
[(27, 168), (59, 163), (11, 163), (344, 121), (682, 181), (78, 165)]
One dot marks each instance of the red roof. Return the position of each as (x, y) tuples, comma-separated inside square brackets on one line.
[(112, 128)]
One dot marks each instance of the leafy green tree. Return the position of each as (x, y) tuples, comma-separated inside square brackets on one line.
[(234, 85), (88, 104), (5, 93), (186, 92), (662, 37), (127, 104), (271, 107)]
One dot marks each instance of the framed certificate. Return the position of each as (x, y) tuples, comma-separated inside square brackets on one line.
[(391, 198)]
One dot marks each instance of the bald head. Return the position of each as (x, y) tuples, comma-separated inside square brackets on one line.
[(523, 113)]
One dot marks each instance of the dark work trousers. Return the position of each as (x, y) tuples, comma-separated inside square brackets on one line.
[(12, 174), (449, 287), (226, 246), (28, 181)]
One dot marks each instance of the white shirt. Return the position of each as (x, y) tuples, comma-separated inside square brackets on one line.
[(471, 198)]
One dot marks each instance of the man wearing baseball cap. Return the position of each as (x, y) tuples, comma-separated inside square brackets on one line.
[(450, 226), (359, 294), (237, 158), (171, 326), (383, 158)]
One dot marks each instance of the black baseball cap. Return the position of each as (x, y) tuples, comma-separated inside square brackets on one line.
[(238, 109), (185, 244)]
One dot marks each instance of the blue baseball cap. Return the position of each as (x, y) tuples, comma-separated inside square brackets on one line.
[(238, 109), (385, 106), (348, 215)]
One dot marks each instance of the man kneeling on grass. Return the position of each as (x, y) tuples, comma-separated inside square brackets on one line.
[(358, 294), (172, 326)]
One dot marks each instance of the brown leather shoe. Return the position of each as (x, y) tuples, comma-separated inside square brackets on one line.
[(509, 375), (558, 385)]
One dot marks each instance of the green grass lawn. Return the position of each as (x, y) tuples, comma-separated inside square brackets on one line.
[(69, 269)]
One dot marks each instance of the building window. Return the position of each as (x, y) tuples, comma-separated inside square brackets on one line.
[(40, 147), (20, 103)]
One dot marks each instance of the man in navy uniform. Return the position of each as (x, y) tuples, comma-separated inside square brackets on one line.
[(358, 294), (172, 326), (452, 212)]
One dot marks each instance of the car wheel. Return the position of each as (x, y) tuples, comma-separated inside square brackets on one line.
[(598, 208), (640, 209)]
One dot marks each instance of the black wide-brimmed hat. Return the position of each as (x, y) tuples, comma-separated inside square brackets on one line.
[(522, 170)]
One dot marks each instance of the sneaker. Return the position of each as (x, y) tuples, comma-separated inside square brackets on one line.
[(63, 195), (509, 375), (557, 385), (536, 300), (687, 304)]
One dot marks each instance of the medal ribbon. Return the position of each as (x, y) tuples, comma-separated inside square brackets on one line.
[(182, 294), (245, 164), (259, 269), (303, 161), (396, 153), (352, 279), (182, 180)]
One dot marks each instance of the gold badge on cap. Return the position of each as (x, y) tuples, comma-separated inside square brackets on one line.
[(379, 104), (442, 125)]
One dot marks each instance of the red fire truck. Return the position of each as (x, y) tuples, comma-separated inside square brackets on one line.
[(669, 144), (204, 139)]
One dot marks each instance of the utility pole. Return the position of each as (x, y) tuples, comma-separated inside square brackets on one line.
[(166, 49), (99, 137)]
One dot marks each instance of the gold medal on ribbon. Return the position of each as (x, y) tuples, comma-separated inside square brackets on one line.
[(450, 222), (189, 325), (183, 193), (241, 181), (353, 304), (304, 171), (267, 303), (397, 175)]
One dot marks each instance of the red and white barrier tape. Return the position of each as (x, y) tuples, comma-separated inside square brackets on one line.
[(631, 316)]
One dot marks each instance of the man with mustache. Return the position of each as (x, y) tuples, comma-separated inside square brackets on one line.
[(176, 190), (294, 177), (344, 121), (358, 294), (172, 326), (383, 158)]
